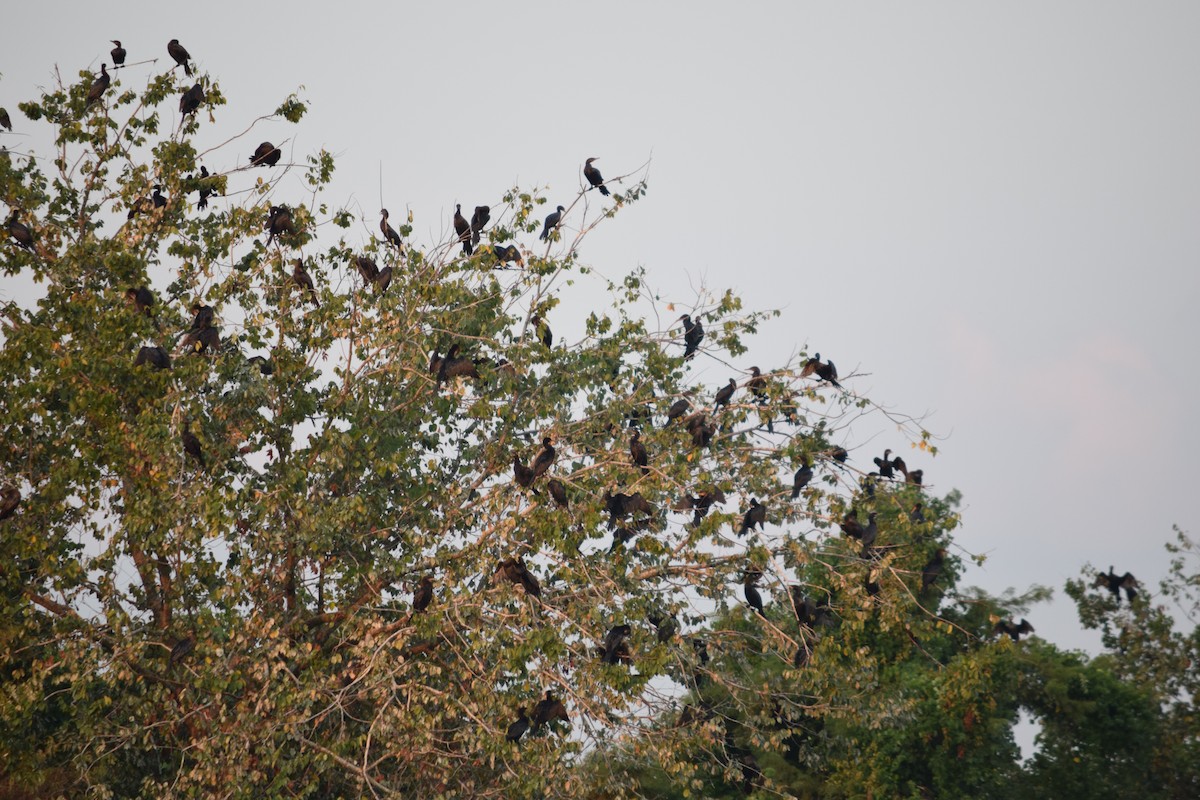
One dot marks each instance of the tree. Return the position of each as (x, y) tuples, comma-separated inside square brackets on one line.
[(229, 500)]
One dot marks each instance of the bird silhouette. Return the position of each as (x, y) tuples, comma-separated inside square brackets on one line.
[(552, 222), (593, 176), (181, 56)]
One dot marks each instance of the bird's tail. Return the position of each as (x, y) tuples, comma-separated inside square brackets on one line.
[(604, 190), (187, 70)]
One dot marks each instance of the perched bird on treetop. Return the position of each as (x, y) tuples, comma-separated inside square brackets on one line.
[(99, 86), (558, 491), (615, 647), (506, 254), (885, 465), (180, 55), (753, 598), (517, 729), (755, 515), (724, 394), (304, 281), (1013, 630), (190, 100), (515, 571), (279, 222), (825, 370), (1115, 583), (117, 53), (803, 476), (544, 458), (191, 445), (478, 220), (389, 233), (265, 155), (677, 410), (423, 595), (594, 177), (548, 710), (552, 222), (932, 570), (5, 120), (463, 229), (637, 452), (693, 333), (19, 232)]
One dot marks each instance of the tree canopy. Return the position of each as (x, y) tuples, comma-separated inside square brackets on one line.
[(293, 510)]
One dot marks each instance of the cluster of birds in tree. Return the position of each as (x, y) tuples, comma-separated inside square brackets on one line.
[(629, 513)]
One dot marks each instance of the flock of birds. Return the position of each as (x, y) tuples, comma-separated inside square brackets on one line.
[(628, 513)]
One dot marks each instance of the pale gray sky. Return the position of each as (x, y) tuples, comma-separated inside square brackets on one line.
[(991, 209)]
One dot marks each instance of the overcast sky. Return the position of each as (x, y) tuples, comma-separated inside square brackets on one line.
[(991, 210)]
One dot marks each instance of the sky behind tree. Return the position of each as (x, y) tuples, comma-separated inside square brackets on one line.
[(988, 212)]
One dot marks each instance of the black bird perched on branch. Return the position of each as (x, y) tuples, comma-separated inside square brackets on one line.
[(452, 366), (932, 570), (279, 222), (506, 254), (203, 335), (99, 86), (825, 370), (180, 55), (701, 503), (637, 452), (155, 356), (594, 177), (10, 498), (548, 710), (552, 222), (204, 191), (523, 474), (621, 505), (18, 232), (156, 197), (616, 646), (190, 100), (191, 445), (304, 281), (478, 221), (558, 491), (423, 595), (463, 229), (693, 333), (753, 598), (389, 233), (542, 329), (1115, 584), (141, 299), (366, 268), (265, 155), (885, 465), (544, 458), (724, 394), (677, 410), (515, 571), (755, 515), (758, 386), (517, 729), (5, 119), (117, 53), (1013, 630), (803, 476), (869, 534), (700, 428)]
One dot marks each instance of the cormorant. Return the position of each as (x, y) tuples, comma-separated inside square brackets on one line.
[(552, 222), (304, 281), (515, 571), (279, 222), (851, 526), (265, 155), (204, 191), (190, 100), (752, 595), (803, 476), (1012, 629), (517, 729), (933, 569), (5, 120), (637, 452), (478, 220), (366, 268), (825, 370), (700, 504), (839, 454), (202, 335), (523, 474), (615, 647), (10, 498), (558, 492), (19, 232), (621, 505), (141, 298), (693, 333), (99, 86), (423, 595), (463, 229), (117, 53), (885, 465), (156, 357), (677, 410), (757, 385), (542, 329), (544, 458), (755, 515), (594, 177), (264, 365), (548, 710), (191, 446), (389, 233), (384, 280), (869, 534), (180, 55), (157, 198), (724, 394), (700, 428), (1115, 583), (506, 254)]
